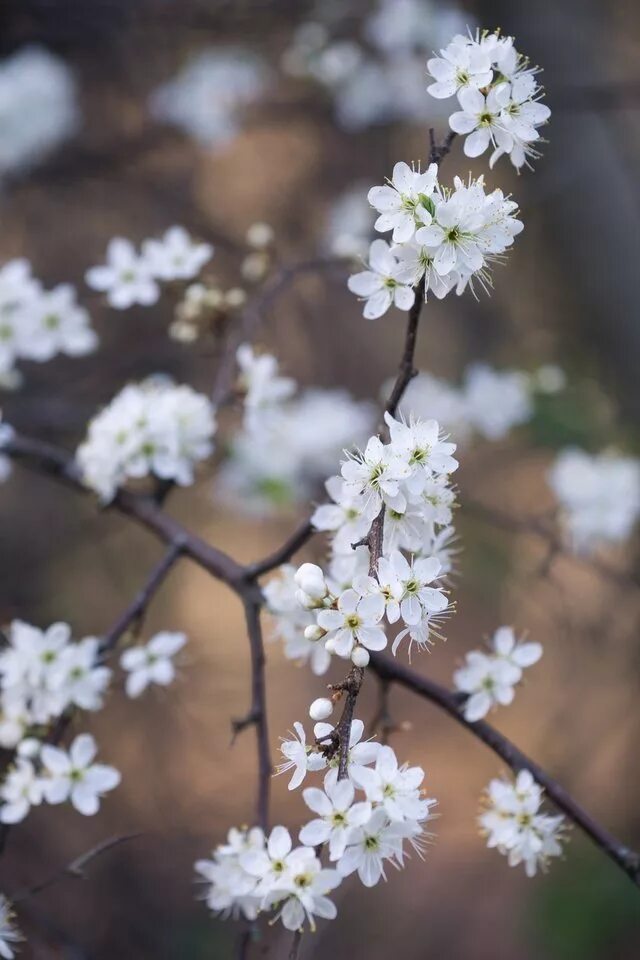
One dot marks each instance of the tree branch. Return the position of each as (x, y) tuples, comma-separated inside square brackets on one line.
[(393, 671), (138, 606), (257, 715)]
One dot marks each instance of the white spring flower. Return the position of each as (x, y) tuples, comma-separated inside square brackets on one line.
[(337, 816), (126, 277), (21, 790), (599, 497), (384, 283), (151, 662), (72, 775), (405, 201), (176, 256)]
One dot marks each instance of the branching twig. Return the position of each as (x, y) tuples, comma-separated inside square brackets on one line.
[(138, 606), (76, 868)]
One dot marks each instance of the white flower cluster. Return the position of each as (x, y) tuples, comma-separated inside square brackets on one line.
[(42, 673), (378, 78), (599, 497), (497, 91), (38, 108), (54, 776), (253, 873), (152, 428), (513, 823), (342, 612), (130, 277), (208, 95), (9, 933), (489, 679), (37, 324), (256, 481), (446, 238), (489, 402)]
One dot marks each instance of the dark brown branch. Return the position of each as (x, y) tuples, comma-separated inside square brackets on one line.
[(59, 464), (393, 671), (76, 869), (284, 553), (257, 715)]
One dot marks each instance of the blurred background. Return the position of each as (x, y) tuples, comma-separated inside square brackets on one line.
[(114, 133)]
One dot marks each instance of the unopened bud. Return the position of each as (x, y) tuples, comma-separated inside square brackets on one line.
[(260, 235), (321, 709), (310, 579), (313, 632), (360, 656), (330, 645)]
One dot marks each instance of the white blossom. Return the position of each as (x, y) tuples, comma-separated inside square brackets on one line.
[(264, 389), (337, 816), (299, 756), (127, 277), (355, 620), (405, 201), (38, 108), (383, 284), (394, 788), (207, 97), (175, 256), (22, 789), (599, 497), (489, 678), (72, 775), (151, 662)]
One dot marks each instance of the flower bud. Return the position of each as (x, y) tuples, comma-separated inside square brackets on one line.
[(305, 600), (260, 235), (310, 579), (313, 632), (321, 709), (360, 656), (330, 645)]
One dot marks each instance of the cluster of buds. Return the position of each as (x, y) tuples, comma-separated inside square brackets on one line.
[(256, 264), (204, 307)]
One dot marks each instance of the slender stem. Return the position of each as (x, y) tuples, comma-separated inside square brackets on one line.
[(138, 606), (257, 715), (284, 553), (75, 869), (407, 369)]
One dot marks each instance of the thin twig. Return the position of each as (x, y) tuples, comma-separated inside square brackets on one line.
[(138, 606), (257, 715), (76, 869)]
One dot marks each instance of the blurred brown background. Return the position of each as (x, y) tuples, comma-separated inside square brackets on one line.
[(568, 296)]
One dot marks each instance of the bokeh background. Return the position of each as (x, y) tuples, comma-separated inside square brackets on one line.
[(568, 296)]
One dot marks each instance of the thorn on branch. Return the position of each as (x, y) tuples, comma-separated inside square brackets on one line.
[(239, 724)]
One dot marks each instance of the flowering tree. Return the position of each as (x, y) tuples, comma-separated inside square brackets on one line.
[(386, 575)]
